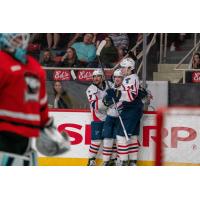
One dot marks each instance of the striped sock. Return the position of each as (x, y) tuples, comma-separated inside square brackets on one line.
[(107, 149), (122, 148), (114, 151), (133, 148), (94, 148)]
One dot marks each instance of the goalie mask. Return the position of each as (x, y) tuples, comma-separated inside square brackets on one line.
[(15, 44)]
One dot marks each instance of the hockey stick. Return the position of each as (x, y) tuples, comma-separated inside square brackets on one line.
[(101, 45)]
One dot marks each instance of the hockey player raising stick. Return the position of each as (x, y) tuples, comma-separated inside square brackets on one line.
[(23, 106), (110, 124), (95, 94)]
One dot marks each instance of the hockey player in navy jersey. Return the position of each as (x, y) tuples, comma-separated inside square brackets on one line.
[(131, 113), (23, 105), (110, 125), (95, 94)]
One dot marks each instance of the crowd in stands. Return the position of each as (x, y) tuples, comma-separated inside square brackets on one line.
[(79, 50)]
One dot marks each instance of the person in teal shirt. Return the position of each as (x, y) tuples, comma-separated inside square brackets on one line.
[(86, 50)]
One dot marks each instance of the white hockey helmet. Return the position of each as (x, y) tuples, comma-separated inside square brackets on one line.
[(97, 72), (118, 72), (128, 62)]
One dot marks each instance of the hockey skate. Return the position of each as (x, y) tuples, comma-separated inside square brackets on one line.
[(106, 163), (123, 163), (132, 163), (91, 162), (113, 162)]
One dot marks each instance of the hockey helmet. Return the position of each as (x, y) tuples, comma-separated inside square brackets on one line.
[(98, 72), (118, 72), (128, 62)]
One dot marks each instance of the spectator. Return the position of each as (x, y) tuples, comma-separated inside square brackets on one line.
[(98, 37), (86, 51), (109, 54), (121, 54), (120, 40), (75, 37), (70, 59), (196, 61), (47, 59), (62, 100), (175, 40), (53, 40)]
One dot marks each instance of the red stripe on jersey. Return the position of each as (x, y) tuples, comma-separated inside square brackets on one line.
[(130, 95), (95, 118), (96, 103), (19, 129)]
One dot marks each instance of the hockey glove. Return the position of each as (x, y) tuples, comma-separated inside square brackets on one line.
[(107, 101), (113, 93), (142, 93), (51, 142)]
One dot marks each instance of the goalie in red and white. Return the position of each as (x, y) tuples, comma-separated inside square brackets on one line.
[(23, 105)]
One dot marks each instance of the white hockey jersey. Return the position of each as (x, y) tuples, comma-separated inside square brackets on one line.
[(131, 84), (95, 96)]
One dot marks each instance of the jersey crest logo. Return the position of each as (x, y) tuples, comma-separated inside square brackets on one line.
[(127, 80), (32, 87)]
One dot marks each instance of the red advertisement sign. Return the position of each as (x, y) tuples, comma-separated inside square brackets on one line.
[(196, 77), (85, 75), (61, 75)]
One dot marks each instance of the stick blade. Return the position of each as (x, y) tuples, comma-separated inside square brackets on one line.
[(100, 47)]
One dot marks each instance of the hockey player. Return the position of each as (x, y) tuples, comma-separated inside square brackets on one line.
[(95, 94), (23, 105), (110, 125), (131, 113)]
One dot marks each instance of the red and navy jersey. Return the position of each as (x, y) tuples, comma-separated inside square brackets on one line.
[(23, 99)]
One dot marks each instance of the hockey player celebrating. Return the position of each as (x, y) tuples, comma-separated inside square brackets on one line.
[(110, 125), (95, 94), (131, 113), (23, 105)]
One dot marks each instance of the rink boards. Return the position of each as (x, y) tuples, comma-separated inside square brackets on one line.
[(77, 124)]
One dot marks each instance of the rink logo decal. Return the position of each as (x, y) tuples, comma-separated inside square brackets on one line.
[(61, 75)]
